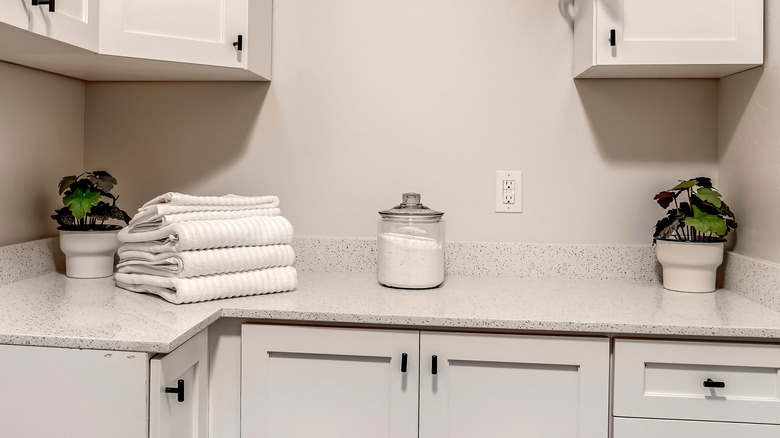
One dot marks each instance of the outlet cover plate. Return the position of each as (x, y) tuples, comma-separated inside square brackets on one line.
[(504, 180)]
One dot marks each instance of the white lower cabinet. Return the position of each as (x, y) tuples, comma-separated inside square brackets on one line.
[(65, 392), (338, 382), (179, 391), (328, 382), (513, 386), (680, 388), (650, 428), (62, 392)]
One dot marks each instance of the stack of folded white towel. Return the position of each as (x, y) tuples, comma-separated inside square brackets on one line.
[(188, 248)]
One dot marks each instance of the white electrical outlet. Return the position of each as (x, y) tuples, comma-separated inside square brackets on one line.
[(509, 191)]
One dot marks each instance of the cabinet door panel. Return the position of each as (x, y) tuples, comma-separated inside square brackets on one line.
[(327, 382), (169, 418), (193, 31), (61, 392), (650, 428), (663, 32), (74, 22), (508, 385)]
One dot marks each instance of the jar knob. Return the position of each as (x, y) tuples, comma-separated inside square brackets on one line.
[(411, 199)]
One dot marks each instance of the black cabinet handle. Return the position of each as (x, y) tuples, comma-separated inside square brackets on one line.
[(612, 37), (404, 358), (709, 383), (179, 390), (434, 364), (44, 2), (239, 45)]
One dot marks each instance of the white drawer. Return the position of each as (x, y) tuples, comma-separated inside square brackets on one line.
[(665, 379), (644, 428)]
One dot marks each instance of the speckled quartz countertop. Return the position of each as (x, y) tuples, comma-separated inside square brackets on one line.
[(53, 310)]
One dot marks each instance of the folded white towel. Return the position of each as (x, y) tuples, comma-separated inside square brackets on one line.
[(151, 220), (212, 287), (187, 264), (186, 236), (174, 198)]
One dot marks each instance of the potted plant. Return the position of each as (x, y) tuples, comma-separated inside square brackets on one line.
[(690, 239), (88, 242)]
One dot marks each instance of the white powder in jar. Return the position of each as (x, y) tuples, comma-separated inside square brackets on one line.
[(409, 261)]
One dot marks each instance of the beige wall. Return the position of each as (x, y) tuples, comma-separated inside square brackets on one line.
[(41, 140), (373, 98), (749, 147)]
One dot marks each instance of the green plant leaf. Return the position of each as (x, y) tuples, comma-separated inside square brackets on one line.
[(80, 202), (686, 184), (710, 196), (706, 223), (66, 182)]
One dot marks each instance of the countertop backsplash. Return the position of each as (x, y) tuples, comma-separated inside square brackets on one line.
[(28, 259), (753, 278), (493, 259)]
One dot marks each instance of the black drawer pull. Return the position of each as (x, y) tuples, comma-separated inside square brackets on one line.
[(239, 45), (612, 41), (44, 2), (404, 358), (179, 390), (434, 364), (709, 383)]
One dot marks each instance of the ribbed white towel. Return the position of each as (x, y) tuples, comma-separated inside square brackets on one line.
[(188, 264), (174, 198), (150, 220), (212, 287), (186, 236)]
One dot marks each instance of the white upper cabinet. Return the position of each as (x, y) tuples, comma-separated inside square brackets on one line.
[(149, 40), (667, 38), (74, 22), (193, 31)]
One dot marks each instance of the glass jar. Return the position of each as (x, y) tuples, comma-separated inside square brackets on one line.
[(410, 245)]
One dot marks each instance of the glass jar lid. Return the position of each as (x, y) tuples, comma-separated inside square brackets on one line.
[(411, 207)]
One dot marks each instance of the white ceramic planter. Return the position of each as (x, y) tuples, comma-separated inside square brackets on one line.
[(689, 266), (89, 254)]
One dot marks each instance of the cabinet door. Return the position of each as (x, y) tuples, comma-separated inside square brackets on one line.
[(666, 32), (307, 382), (61, 392), (172, 415), (512, 386), (73, 21), (649, 428), (16, 13), (192, 31)]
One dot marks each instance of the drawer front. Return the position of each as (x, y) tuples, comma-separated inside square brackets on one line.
[(697, 381), (645, 428)]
